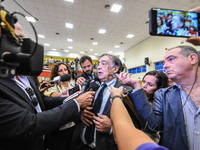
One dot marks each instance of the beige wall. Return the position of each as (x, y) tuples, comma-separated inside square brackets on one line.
[(154, 48)]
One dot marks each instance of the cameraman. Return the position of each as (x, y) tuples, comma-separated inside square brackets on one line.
[(26, 115)]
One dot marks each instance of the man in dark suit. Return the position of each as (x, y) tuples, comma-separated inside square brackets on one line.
[(176, 109), (87, 67), (102, 135), (26, 115)]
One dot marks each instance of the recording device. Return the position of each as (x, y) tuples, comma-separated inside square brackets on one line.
[(18, 56), (173, 23), (75, 95), (57, 80), (85, 85), (93, 86), (74, 90)]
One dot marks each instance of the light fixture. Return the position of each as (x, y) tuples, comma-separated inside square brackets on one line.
[(70, 1), (53, 49), (46, 44), (70, 47), (69, 25), (91, 49), (70, 40), (102, 31), (95, 53), (82, 52), (66, 51), (30, 19), (130, 36), (94, 43), (117, 46), (116, 8), (41, 36), (109, 52)]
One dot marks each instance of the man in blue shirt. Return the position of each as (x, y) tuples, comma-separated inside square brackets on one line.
[(76, 63), (176, 109)]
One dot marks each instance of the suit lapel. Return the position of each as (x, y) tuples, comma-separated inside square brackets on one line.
[(9, 83), (176, 105), (37, 93)]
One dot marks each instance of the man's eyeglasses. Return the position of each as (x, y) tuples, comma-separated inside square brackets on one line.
[(31, 93)]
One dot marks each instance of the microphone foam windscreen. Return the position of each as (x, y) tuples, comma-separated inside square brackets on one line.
[(65, 77)]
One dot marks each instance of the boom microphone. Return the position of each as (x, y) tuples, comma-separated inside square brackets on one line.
[(57, 80)]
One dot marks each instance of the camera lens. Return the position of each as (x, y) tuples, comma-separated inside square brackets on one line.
[(4, 71)]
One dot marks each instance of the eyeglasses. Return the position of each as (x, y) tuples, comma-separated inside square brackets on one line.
[(31, 93)]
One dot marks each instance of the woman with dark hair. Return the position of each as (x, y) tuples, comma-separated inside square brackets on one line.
[(60, 69), (151, 82)]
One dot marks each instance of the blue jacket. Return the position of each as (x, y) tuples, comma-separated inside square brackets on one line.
[(162, 116)]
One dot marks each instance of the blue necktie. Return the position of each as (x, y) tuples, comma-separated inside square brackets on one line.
[(89, 133)]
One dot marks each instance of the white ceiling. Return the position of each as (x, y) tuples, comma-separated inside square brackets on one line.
[(87, 17)]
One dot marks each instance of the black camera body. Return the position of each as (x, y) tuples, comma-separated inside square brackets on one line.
[(18, 56)]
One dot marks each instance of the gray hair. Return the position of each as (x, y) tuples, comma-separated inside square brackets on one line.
[(187, 50), (115, 61)]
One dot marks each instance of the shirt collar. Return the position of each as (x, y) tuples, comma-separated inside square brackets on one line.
[(112, 82)]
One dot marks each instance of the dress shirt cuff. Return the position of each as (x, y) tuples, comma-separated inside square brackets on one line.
[(78, 105), (110, 130)]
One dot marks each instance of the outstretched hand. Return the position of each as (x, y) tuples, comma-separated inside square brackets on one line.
[(125, 79)]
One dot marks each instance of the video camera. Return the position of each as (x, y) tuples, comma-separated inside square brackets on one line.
[(18, 56)]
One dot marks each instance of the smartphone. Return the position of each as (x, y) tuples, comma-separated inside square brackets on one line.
[(173, 23), (75, 89)]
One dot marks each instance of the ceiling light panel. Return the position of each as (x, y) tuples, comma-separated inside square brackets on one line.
[(69, 25), (46, 44), (94, 43), (117, 46), (116, 8), (70, 47), (69, 1), (70, 40), (30, 19), (130, 36), (53, 49), (102, 31), (41, 36)]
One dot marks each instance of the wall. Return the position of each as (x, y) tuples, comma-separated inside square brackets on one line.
[(154, 48), (64, 55)]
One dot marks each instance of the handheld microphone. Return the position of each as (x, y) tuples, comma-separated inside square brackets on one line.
[(94, 85), (58, 80), (85, 85)]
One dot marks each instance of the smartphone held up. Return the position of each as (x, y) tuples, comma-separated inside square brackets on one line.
[(173, 23)]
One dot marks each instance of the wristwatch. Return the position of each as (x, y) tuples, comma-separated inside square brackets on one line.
[(112, 98)]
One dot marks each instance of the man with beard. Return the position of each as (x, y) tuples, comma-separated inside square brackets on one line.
[(87, 67)]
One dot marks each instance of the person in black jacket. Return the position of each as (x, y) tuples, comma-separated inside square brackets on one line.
[(87, 67)]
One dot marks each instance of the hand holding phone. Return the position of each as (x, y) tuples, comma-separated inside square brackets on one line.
[(173, 23)]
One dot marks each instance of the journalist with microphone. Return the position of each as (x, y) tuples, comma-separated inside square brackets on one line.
[(61, 74), (26, 115)]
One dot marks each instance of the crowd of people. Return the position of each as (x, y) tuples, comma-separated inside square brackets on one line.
[(161, 113)]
